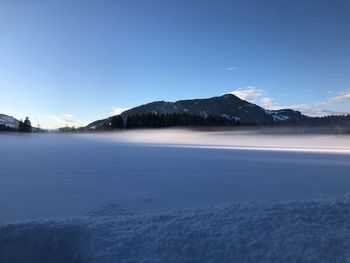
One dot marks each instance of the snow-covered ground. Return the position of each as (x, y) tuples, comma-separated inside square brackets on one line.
[(308, 231), (146, 195)]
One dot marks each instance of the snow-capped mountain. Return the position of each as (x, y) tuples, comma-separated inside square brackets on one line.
[(8, 121), (228, 106)]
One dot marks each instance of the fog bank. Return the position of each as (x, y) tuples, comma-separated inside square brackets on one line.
[(261, 139)]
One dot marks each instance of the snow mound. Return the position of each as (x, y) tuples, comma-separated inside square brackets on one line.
[(299, 231)]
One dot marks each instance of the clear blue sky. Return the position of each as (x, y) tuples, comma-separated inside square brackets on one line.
[(77, 61)]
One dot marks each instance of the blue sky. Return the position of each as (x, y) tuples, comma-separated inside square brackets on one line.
[(77, 61)]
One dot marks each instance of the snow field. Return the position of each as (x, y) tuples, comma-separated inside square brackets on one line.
[(294, 231)]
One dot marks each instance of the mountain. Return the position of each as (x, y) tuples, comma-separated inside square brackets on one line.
[(9, 121), (227, 106)]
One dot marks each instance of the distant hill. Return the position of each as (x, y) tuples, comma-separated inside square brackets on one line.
[(228, 107), (9, 121)]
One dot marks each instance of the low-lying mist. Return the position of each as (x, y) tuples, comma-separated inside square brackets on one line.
[(256, 139)]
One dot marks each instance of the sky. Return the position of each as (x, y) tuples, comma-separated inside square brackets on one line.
[(72, 62)]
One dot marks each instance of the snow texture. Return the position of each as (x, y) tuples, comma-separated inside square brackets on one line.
[(276, 115), (298, 231)]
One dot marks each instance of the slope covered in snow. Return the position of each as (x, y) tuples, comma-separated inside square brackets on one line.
[(8, 121), (302, 231)]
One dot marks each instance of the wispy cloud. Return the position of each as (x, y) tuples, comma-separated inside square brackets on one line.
[(118, 111), (314, 110), (260, 97), (268, 103), (62, 120), (250, 93), (67, 120), (343, 96), (231, 68), (257, 96)]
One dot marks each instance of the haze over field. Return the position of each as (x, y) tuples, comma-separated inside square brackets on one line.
[(269, 139)]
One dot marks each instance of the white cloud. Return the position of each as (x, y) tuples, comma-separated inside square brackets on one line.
[(117, 111), (343, 96), (62, 120), (259, 97), (249, 93), (66, 120), (315, 111), (308, 109), (267, 102)]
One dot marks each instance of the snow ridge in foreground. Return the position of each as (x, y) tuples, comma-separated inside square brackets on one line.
[(299, 231)]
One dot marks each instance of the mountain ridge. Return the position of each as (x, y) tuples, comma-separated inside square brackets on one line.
[(226, 106)]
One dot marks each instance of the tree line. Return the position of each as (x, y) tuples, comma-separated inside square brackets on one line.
[(324, 121), (334, 123), (25, 126), (151, 120)]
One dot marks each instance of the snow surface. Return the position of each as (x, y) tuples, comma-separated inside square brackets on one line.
[(303, 231), (277, 115), (50, 175), (174, 196), (230, 117), (280, 117)]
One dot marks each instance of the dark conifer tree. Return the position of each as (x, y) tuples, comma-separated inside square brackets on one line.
[(151, 120), (116, 122), (25, 126)]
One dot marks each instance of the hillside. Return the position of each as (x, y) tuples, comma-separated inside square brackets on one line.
[(228, 107), (8, 121)]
